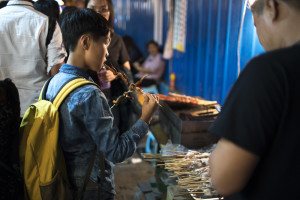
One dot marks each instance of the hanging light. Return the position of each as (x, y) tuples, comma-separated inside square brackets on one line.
[(60, 2), (251, 2)]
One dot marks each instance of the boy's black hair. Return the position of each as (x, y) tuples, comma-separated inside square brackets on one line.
[(83, 21), (66, 10)]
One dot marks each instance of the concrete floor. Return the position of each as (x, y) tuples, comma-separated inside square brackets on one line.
[(128, 175)]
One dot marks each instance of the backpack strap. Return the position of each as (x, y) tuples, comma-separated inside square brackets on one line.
[(51, 28), (68, 88), (44, 89), (87, 175)]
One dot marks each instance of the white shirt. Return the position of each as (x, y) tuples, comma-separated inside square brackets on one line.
[(23, 51)]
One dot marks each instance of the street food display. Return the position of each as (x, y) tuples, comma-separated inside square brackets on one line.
[(191, 170), (185, 100)]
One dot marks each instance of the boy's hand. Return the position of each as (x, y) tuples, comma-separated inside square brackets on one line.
[(106, 76), (149, 107)]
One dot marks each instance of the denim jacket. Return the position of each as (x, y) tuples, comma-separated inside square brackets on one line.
[(85, 120)]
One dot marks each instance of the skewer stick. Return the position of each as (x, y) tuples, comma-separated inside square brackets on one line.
[(177, 152)]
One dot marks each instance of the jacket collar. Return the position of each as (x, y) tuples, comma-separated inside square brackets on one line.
[(71, 69), (19, 3)]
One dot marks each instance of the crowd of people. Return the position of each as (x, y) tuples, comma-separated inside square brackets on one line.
[(257, 155), (37, 42)]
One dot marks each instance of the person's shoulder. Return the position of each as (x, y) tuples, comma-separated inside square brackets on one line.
[(161, 57), (28, 10), (87, 91), (277, 59), (79, 94), (281, 54), (38, 14), (116, 37)]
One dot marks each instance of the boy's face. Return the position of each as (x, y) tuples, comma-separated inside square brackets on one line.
[(97, 53)]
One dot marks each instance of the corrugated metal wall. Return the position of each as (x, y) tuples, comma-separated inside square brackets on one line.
[(208, 68)]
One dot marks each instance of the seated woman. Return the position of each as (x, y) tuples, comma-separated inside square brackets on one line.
[(153, 66)]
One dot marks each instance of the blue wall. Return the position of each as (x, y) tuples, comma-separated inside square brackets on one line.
[(208, 68)]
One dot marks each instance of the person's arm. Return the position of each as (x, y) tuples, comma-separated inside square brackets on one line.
[(231, 167), (127, 65), (55, 69), (107, 76), (98, 120), (124, 57), (141, 69), (56, 52)]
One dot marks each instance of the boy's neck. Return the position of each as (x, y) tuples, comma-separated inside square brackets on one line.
[(76, 60)]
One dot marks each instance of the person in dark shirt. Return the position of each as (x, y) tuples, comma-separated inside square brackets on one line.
[(48, 7), (135, 54), (51, 9), (11, 186), (127, 112), (257, 156)]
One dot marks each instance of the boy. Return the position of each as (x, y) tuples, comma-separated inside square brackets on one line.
[(85, 116)]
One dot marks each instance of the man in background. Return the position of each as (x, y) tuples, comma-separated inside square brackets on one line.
[(258, 156), (24, 56)]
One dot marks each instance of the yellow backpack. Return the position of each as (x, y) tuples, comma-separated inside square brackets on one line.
[(41, 158)]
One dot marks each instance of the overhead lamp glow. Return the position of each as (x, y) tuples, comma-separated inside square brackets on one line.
[(60, 2), (251, 2)]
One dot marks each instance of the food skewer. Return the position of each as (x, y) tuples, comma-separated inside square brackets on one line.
[(190, 168), (132, 86)]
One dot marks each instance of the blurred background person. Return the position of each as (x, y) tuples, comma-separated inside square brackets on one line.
[(51, 9), (64, 14), (25, 56), (11, 184), (127, 112), (153, 67), (135, 54), (48, 7)]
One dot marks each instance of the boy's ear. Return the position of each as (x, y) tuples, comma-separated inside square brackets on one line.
[(85, 41)]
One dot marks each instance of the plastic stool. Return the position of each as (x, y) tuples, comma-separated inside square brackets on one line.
[(152, 89), (151, 144)]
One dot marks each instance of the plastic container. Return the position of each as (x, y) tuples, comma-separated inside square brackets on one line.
[(103, 85)]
